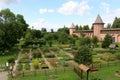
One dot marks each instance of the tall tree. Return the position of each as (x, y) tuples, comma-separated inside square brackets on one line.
[(77, 27), (108, 26), (80, 28), (116, 23), (12, 27), (94, 41), (85, 41), (107, 41), (83, 56), (85, 27)]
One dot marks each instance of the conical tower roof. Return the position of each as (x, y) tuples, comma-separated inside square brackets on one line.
[(98, 20), (72, 26)]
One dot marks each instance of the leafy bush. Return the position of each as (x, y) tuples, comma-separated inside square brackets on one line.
[(36, 63), (11, 60), (27, 66), (108, 57), (19, 67)]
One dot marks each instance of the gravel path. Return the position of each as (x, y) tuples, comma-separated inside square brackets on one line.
[(3, 75)]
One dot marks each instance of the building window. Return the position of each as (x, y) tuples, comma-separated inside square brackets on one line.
[(113, 39)]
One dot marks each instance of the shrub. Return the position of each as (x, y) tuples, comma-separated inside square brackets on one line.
[(11, 60), (27, 66), (108, 57), (19, 67), (36, 63)]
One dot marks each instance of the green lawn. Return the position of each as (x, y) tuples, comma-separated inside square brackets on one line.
[(11, 54), (106, 73), (42, 75)]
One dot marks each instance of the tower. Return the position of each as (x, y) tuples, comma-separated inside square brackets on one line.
[(72, 29), (98, 25)]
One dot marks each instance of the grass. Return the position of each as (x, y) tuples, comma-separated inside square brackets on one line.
[(45, 75), (106, 73), (13, 53)]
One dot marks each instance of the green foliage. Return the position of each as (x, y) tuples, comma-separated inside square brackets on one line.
[(109, 26), (19, 67), (36, 63), (12, 28), (83, 56), (11, 60), (94, 41), (85, 41), (116, 23), (85, 27), (108, 57), (107, 41), (27, 66)]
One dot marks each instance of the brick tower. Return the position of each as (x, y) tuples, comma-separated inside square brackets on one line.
[(72, 29), (98, 25)]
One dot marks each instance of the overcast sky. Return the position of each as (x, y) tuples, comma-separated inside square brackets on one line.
[(53, 14)]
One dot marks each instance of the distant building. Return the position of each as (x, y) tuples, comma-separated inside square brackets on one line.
[(98, 30)]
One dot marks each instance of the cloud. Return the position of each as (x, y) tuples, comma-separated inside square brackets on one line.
[(7, 2), (68, 8), (83, 6), (42, 23), (110, 14), (73, 7), (43, 11)]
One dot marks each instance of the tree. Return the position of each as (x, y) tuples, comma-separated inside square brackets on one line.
[(116, 23), (83, 56), (107, 41), (76, 27), (94, 41), (108, 26), (80, 28), (12, 28), (52, 31), (63, 37), (85, 41), (85, 27)]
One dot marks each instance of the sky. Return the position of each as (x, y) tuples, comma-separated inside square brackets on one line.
[(54, 14)]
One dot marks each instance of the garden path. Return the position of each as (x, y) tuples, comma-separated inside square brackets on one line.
[(67, 53), (16, 62), (3, 75), (50, 67)]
